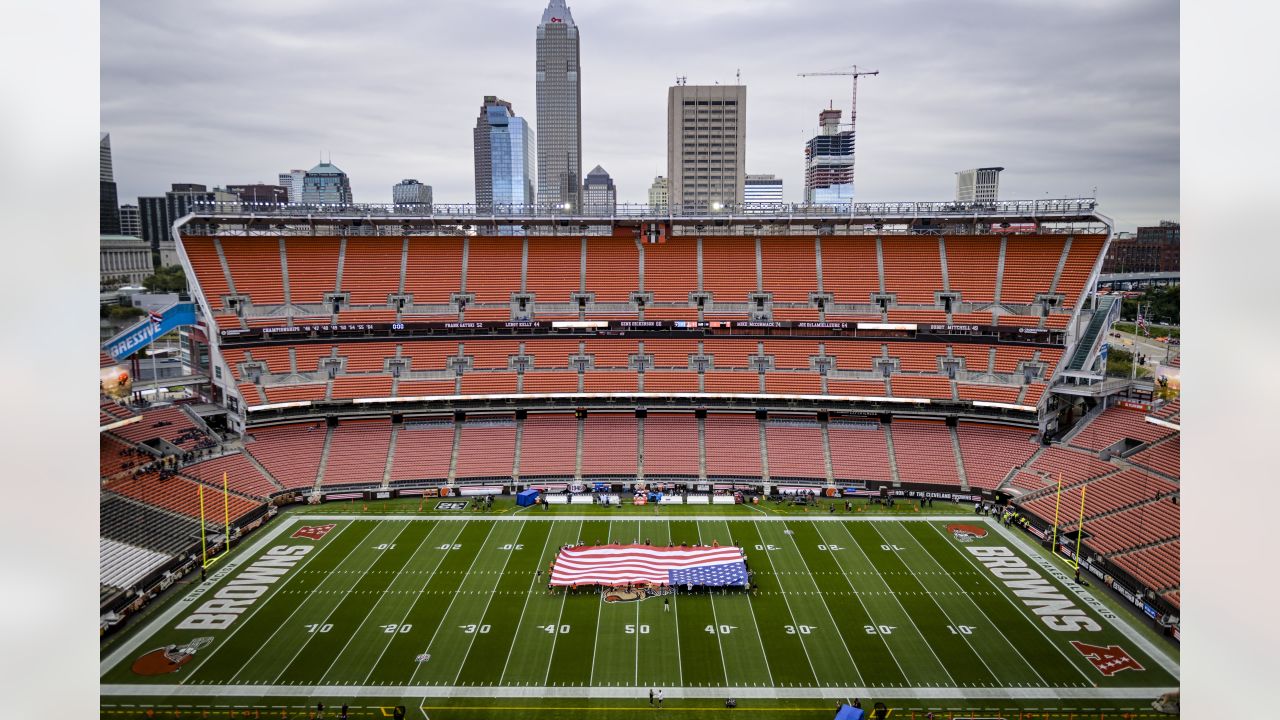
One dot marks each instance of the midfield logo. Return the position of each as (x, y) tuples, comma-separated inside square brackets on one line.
[(967, 533), (168, 659), (313, 532), (1109, 660)]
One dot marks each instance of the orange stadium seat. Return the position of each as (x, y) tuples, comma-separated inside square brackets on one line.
[(313, 267)]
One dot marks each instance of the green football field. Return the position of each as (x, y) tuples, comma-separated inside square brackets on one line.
[(445, 614)]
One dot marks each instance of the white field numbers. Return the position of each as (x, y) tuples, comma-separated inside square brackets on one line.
[(830, 548), (554, 629), (766, 547), (513, 546), (961, 629), (317, 628), (473, 629), (879, 629), (893, 548), (721, 629), (385, 546), (447, 546), (633, 629), (800, 629), (393, 629)]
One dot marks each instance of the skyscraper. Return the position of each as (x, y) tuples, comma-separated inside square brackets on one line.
[(658, 194), (828, 163), (326, 184), (599, 196), (108, 203), (130, 221), (762, 193), (504, 159), (978, 185), (292, 180), (411, 192), (559, 98), (706, 146)]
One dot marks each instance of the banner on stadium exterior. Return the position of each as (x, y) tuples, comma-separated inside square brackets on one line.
[(344, 496), (150, 327)]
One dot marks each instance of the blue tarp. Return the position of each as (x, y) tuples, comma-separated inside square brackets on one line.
[(526, 497), (849, 712)]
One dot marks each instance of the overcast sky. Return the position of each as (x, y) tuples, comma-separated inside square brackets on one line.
[(1065, 96)]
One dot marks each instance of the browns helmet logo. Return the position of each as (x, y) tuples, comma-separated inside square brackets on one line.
[(966, 533), (168, 659), (1109, 659)]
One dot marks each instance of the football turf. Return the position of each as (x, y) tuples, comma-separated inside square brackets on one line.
[(421, 607)]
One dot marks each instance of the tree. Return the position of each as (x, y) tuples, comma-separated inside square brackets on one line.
[(166, 279)]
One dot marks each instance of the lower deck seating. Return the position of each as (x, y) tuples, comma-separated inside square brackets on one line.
[(795, 449), (128, 521), (1158, 566), (423, 450), (609, 444), (121, 565), (922, 450), (1164, 457), (989, 452), (1116, 424), (732, 445), (549, 446), (291, 453), (859, 451), (670, 445), (358, 452), (486, 448), (177, 494), (242, 476)]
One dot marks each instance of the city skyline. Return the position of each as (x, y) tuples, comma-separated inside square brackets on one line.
[(1063, 122)]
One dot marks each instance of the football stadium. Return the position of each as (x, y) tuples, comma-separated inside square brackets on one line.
[(467, 463)]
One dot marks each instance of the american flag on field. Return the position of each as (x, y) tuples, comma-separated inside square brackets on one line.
[(645, 564)]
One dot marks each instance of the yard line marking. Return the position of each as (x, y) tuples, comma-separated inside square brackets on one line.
[(946, 615), (868, 612), (328, 615), (1004, 593), (360, 625), (712, 594), (1156, 653), (494, 591), (942, 571), (854, 542), (830, 616), (583, 691), (454, 599), (264, 601), (676, 611), (792, 613), (754, 619), (595, 642), (537, 567), (556, 636), (635, 680)]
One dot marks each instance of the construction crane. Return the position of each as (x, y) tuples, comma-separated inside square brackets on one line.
[(854, 73)]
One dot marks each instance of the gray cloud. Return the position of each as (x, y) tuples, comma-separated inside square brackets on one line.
[(1067, 97)]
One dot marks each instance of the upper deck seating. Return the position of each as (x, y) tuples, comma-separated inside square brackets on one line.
[(313, 267), (612, 268), (554, 270), (1029, 264), (971, 267), (728, 268), (371, 269), (433, 269), (912, 268), (255, 268), (790, 271), (849, 269)]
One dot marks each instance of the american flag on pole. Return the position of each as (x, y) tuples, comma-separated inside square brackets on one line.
[(645, 564), (155, 317)]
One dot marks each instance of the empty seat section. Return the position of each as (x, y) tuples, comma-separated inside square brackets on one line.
[(733, 445), (857, 388), (1029, 264), (923, 453), (1007, 358), (554, 381), (912, 268), (252, 394), (920, 386), (790, 268), (791, 353), (971, 267), (671, 271), (1165, 457), (976, 318), (276, 358), (610, 381), (168, 424), (670, 381), (730, 381), (854, 355), (371, 269), (549, 446), (1058, 322), (1085, 250), (1116, 424), (1073, 467), (609, 444), (666, 313), (428, 354), (849, 269), (1158, 567), (1024, 480), (208, 269), (1019, 320), (555, 267), (991, 451), (233, 357), (423, 450), (313, 268), (612, 353), (792, 383), (859, 451), (1050, 357), (612, 268), (490, 354), (489, 383), (254, 263), (308, 357), (1032, 395), (901, 315), (291, 453), (425, 388), (493, 268), (294, 393), (486, 448), (358, 452), (551, 354), (729, 353), (795, 449), (1170, 410), (809, 314), (976, 357), (242, 476), (367, 357), (179, 495), (728, 268), (670, 445), (126, 520), (989, 393), (433, 268), (121, 565), (346, 387), (671, 353), (918, 357), (366, 316)]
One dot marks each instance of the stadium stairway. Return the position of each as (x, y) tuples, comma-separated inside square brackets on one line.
[(640, 448), (258, 466), (1080, 425), (577, 452), (391, 454), (764, 444), (702, 422), (888, 436), (826, 454), (1084, 346), (519, 447), (324, 457), (457, 440), (955, 449), (1013, 472)]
